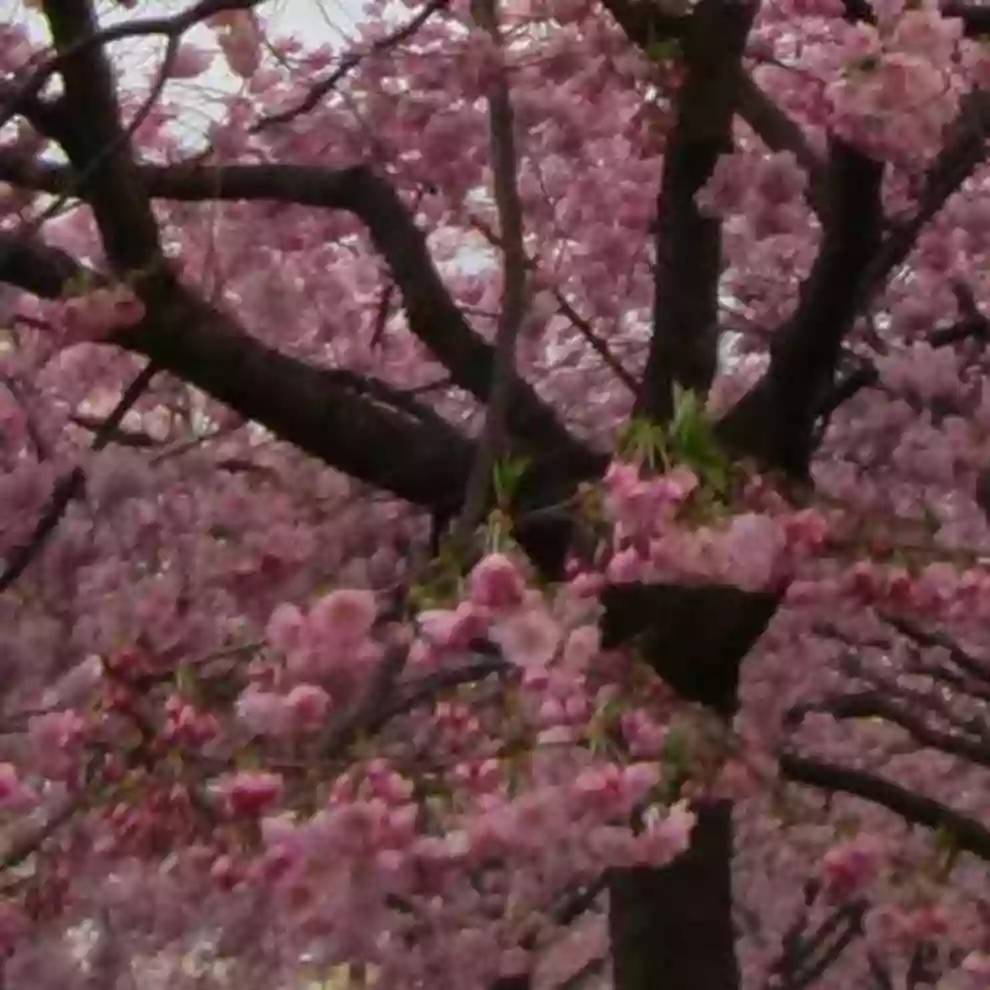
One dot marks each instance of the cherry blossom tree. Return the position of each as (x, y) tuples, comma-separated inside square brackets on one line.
[(404, 449)]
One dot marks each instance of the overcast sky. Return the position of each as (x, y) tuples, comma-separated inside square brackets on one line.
[(333, 22), (319, 20)]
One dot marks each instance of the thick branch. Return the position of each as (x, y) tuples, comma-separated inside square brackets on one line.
[(324, 412), (775, 420), (433, 316), (873, 704), (849, 281), (684, 346), (780, 133), (671, 928), (314, 408), (96, 143), (305, 405), (965, 148), (646, 24), (694, 637), (967, 835)]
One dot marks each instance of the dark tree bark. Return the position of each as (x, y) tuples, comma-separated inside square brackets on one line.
[(672, 927)]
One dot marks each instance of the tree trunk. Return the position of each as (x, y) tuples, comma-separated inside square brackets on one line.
[(671, 928)]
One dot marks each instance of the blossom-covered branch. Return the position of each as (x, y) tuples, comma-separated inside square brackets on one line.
[(780, 411), (972, 326), (805, 955), (432, 314), (304, 404), (350, 61), (967, 834)]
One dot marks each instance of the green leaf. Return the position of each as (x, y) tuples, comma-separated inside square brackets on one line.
[(507, 475), (693, 441), (186, 680), (945, 840), (663, 50), (676, 750), (641, 439)]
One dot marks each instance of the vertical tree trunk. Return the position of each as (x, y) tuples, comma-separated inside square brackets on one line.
[(671, 928)]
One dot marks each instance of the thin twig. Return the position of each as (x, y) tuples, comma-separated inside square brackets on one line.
[(171, 27), (71, 485), (514, 290), (582, 326), (349, 62)]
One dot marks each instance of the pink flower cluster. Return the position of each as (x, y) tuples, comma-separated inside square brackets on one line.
[(936, 591), (900, 86), (766, 190), (240, 39), (849, 868), (656, 534), (203, 762)]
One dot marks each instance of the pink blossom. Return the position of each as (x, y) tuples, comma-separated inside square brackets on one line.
[(14, 794), (807, 530), (426, 847), (927, 33), (638, 779), (529, 639), (581, 647), (753, 551), (342, 619), (190, 61), (587, 585), (14, 924), (225, 872), (240, 41), (622, 477), (285, 628), (643, 734), (624, 567), (851, 866), (453, 628), (186, 725), (665, 835), (55, 738), (98, 314), (678, 483), (495, 582), (250, 793), (264, 713), (307, 705), (977, 965)]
